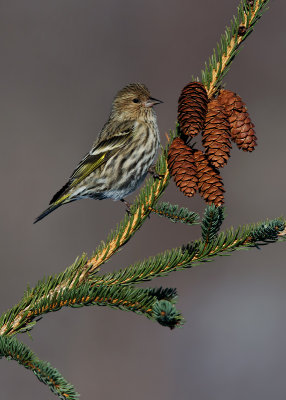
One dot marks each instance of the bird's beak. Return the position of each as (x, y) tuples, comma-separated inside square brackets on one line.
[(152, 102)]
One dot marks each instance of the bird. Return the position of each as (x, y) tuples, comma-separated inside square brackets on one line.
[(122, 154)]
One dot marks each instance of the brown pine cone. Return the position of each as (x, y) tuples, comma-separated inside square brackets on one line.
[(210, 182), (242, 130), (182, 167), (192, 108), (241, 127), (216, 135)]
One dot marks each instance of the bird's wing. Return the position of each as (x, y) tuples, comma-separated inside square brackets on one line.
[(99, 154)]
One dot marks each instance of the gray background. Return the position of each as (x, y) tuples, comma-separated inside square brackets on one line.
[(61, 63)]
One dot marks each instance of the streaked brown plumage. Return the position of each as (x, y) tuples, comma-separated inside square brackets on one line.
[(122, 154)]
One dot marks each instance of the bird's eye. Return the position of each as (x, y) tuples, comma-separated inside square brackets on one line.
[(135, 100)]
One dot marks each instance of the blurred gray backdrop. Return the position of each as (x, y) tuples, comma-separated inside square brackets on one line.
[(62, 62)]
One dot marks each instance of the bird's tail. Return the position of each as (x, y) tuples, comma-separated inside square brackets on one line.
[(51, 208)]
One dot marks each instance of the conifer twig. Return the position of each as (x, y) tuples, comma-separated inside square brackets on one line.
[(240, 28), (12, 349), (196, 253), (126, 298)]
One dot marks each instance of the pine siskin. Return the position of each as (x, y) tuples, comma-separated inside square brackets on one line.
[(120, 158)]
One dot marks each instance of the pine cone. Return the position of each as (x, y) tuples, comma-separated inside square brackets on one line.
[(241, 127), (210, 182), (192, 108), (231, 101), (182, 167), (216, 135)]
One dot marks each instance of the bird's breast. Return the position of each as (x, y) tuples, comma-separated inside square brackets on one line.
[(130, 166)]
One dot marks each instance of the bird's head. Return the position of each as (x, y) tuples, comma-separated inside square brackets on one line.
[(133, 102)]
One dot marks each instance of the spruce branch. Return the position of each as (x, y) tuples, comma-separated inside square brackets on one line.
[(196, 252), (12, 349), (211, 223), (240, 28), (175, 214), (115, 290), (126, 298)]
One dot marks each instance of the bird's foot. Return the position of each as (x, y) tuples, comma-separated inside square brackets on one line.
[(154, 173), (128, 206)]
